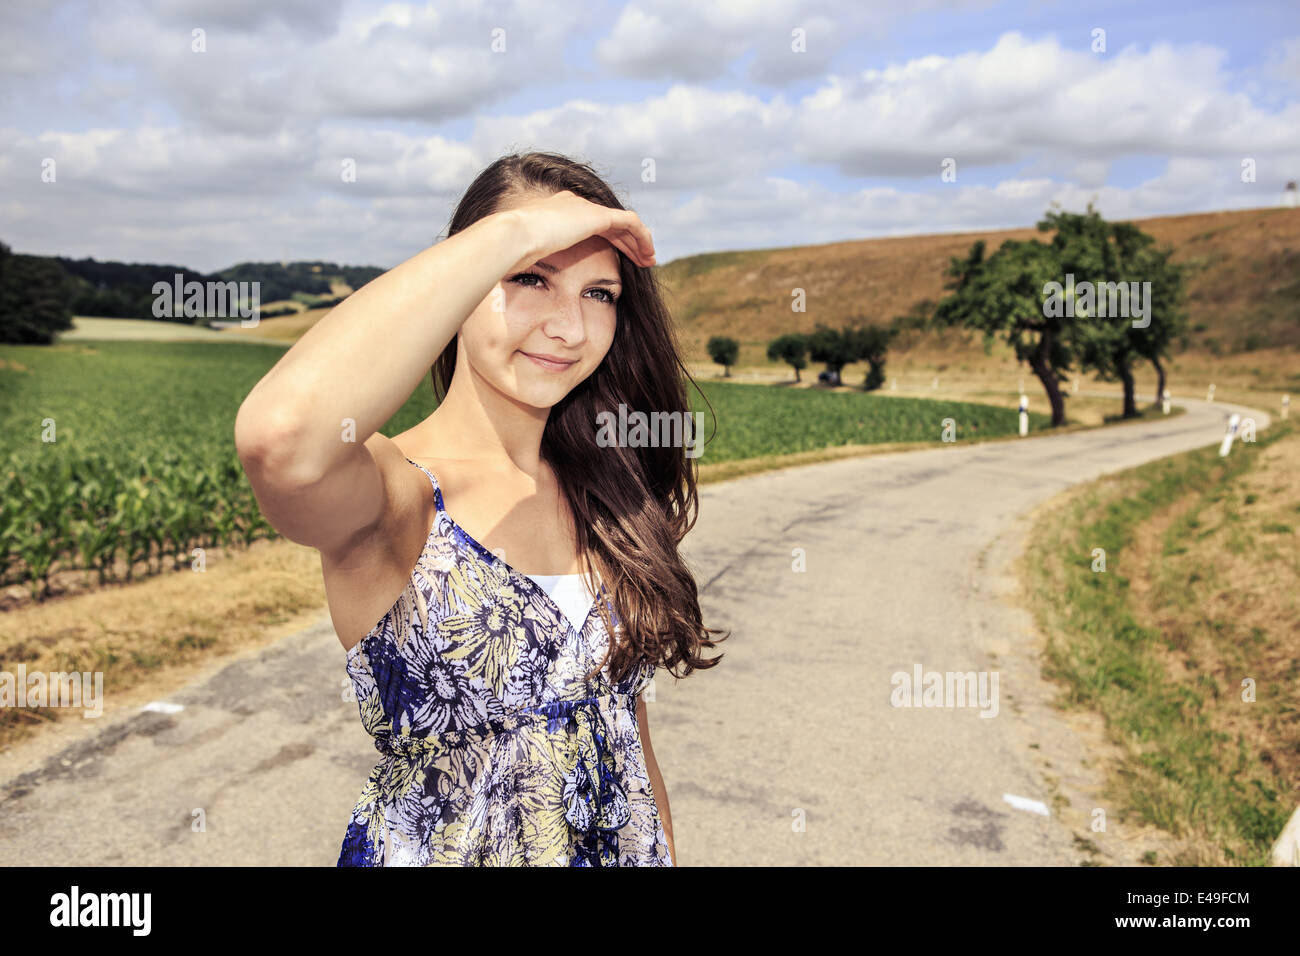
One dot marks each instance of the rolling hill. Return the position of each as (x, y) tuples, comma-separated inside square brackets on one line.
[(1243, 284)]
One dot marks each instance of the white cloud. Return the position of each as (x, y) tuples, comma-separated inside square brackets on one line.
[(235, 154), (685, 40), (1024, 97)]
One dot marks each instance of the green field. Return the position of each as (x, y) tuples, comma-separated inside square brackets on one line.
[(142, 467)]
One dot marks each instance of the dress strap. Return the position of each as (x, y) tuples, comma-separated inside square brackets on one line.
[(437, 490)]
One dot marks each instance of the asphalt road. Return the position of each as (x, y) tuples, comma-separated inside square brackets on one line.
[(789, 752)]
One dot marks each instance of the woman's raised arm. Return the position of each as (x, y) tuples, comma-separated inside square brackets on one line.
[(360, 363)]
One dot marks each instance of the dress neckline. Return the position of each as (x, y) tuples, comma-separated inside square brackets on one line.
[(492, 556)]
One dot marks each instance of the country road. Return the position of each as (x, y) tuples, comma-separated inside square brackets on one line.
[(789, 752)]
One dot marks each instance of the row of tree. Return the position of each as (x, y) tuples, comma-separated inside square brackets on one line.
[(835, 348), (1026, 293)]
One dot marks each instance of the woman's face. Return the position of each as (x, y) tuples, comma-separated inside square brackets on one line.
[(560, 308)]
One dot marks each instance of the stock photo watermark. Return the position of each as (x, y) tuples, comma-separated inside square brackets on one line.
[(75, 908), (1103, 300), (656, 430), (945, 689), (208, 300), (57, 689)]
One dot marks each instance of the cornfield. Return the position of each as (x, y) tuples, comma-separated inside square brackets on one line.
[(142, 469)]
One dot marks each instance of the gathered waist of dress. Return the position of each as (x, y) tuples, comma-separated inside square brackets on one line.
[(555, 713)]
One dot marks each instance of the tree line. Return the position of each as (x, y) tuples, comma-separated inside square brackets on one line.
[(39, 295)]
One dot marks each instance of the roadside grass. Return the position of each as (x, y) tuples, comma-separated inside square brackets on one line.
[(1198, 606)]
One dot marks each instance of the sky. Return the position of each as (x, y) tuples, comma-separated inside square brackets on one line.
[(209, 132)]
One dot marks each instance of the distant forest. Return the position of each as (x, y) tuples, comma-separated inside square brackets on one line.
[(123, 290)]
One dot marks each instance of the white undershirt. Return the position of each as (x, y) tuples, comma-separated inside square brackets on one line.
[(570, 592)]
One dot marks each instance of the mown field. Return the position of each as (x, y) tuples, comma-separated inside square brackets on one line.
[(119, 458)]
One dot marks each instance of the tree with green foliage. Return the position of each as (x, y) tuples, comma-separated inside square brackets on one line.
[(832, 347), (792, 349), (918, 318), (1003, 295), (35, 299), (724, 351), (1118, 260), (871, 342)]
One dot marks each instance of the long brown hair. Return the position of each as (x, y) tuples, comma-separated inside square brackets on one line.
[(631, 506)]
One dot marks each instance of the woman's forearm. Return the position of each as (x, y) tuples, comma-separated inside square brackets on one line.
[(365, 358)]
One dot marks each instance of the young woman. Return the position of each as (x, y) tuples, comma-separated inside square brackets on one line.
[(506, 702)]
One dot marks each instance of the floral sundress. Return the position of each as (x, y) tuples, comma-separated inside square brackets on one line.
[(496, 751)]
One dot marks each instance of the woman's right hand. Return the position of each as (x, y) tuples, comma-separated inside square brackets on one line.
[(565, 219)]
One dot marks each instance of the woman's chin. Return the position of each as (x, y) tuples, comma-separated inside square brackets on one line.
[(540, 396)]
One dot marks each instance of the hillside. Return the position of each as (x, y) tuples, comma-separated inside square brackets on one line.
[(1243, 290)]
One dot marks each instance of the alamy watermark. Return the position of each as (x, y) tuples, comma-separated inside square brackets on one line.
[(923, 688), (1101, 299), (656, 430), (130, 910), (207, 300), (57, 689)]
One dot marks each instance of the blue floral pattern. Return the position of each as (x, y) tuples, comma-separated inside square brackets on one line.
[(496, 751)]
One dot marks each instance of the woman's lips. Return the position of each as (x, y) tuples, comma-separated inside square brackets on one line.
[(549, 364)]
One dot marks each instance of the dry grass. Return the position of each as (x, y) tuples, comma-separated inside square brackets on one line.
[(1202, 591), (285, 329), (1237, 553), (156, 634), (86, 328)]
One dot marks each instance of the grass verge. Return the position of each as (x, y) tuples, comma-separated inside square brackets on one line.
[(1186, 643)]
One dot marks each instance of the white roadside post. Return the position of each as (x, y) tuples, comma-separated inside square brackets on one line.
[(1024, 415), (1074, 386), (1286, 405), (1286, 851), (1233, 423), (1210, 396), (893, 386), (935, 384), (1164, 402)]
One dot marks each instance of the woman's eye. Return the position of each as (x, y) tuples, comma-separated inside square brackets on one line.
[(609, 297)]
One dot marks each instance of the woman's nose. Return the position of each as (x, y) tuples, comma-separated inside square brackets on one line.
[(565, 318)]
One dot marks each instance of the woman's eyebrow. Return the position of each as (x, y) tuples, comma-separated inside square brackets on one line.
[(545, 267)]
